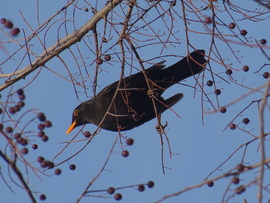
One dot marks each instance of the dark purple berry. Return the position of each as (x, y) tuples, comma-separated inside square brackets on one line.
[(246, 120), (23, 141), (40, 159), (42, 197), (87, 134), (266, 75), (217, 91), (129, 141), (8, 24), (21, 104), (111, 190), (240, 167), (14, 32), (41, 126), (41, 117), (235, 180), (25, 150), (117, 196), (125, 153), (45, 138), (243, 32), (209, 83), (34, 146), (72, 167), (107, 57), (3, 20), (232, 126), (99, 61), (245, 68), (150, 184), (20, 91), (9, 129), (208, 20), (223, 109), (231, 25), (41, 133), (12, 110), (22, 97), (240, 189), (141, 188), (263, 41), (229, 72), (48, 124), (57, 171), (210, 184)]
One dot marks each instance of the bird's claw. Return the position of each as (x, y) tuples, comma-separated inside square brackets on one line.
[(160, 128)]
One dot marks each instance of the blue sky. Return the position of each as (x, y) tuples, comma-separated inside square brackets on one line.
[(198, 148)]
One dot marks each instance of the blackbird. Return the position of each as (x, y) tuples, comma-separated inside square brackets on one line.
[(133, 101)]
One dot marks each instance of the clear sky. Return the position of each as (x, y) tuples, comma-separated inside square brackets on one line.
[(198, 147)]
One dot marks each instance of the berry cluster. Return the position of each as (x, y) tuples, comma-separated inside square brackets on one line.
[(9, 25)]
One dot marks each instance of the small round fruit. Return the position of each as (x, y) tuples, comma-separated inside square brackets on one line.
[(99, 61), (246, 120), (232, 25), (125, 153), (217, 91), (263, 41), (117, 196), (150, 184), (223, 109), (130, 141), (243, 32), (111, 190), (210, 184), (266, 75), (232, 126), (245, 68), (107, 57), (72, 167), (209, 83), (141, 188)]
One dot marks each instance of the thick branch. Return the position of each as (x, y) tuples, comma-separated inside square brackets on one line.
[(62, 44)]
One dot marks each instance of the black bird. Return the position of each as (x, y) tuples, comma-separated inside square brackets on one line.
[(120, 107)]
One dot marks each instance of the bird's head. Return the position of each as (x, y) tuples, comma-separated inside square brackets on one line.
[(79, 117)]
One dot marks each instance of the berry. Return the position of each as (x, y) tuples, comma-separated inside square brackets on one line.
[(86, 9), (87, 134), (209, 83), (1, 126), (223, 109), (235, 180), (125, 153), (23, 141), (12, 110), (246, 120), (44, 164), (231, 25), (111, 190), (3, 20), (9, 129), (50, 164), (45, 138), (232, 126), (42, 197), (48, 124), (41, 117), (107, 57), (263, 41), (25, 150), (41, 126), (34, 146), (72, 167), (141, 188), (41, 133), (240, 189), (150, 184), (99, 61), (14, 32), (129, 141), (208, 20), (20, 91), (57, 171), (243, 32), (246, 68), (22, 97), (17, 135), (229, 72), (266, 75), (21, 104), (217, 92), (40, 159), (240, 167), (117, 196), (210, 184), (8, 24)]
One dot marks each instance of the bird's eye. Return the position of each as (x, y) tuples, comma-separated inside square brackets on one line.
[(76, 112)]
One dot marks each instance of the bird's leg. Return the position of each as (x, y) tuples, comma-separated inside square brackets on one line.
[(153, 92), (159, 127)]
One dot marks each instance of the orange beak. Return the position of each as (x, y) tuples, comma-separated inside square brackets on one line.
[(71, 127)]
